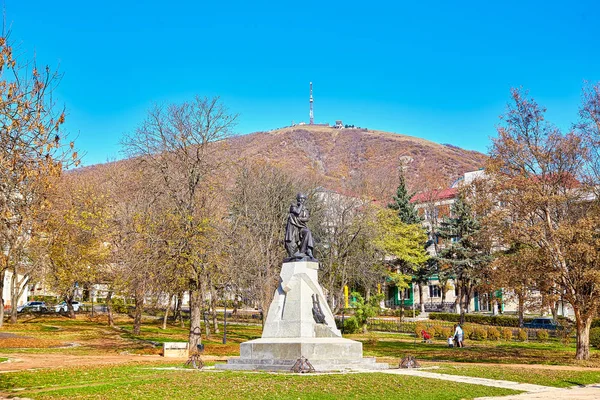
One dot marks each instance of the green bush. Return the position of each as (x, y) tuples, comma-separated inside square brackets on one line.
[(420, 327), (467, 330), (595, 337), (542, 335), (494, 320), (118, 305), (351, 325), (493, 333), (522, 335), (446, 332), (49, 300), (478, 334), (507, 333)]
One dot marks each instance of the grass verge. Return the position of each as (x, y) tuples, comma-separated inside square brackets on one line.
[(139, 382), (539, 376)]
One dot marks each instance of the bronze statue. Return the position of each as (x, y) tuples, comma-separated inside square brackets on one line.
[(298, 238)]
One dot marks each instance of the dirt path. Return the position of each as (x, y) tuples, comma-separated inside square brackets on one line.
[(25, 361)]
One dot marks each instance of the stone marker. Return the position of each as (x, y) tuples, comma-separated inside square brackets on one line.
[(175, 349)]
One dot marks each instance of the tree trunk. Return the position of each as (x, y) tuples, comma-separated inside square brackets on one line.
[(213, 309), (2, 275), (13, 297), (421, 297), (521, 309), (70, 310), (111, 320), (443, 290), (402, 303), (195, 337), (164, 324), (137, 313), (583, 336)]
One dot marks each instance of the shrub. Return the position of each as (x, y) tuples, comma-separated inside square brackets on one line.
[(467, 330), (351, 325), (478, 334), (542, 335), (372, 340), (522, 335), (507, 333), (118, 305), (435, 330), (493, 333), (595, 337), (495, 320), (420, 327), (446, 332)]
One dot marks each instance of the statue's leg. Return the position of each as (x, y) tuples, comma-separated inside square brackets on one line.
[(290, 247), (306, 242)]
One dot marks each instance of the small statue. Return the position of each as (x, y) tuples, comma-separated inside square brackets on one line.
[(298, 238), (317, 311)]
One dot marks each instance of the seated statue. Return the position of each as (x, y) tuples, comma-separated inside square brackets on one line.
[(298, 238)]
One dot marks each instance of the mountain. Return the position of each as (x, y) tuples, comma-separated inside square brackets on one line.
[(349, 160)]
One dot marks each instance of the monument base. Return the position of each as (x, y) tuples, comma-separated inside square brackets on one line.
[(280, 354)]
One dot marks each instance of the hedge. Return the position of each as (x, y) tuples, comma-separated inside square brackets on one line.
[(494, 320)]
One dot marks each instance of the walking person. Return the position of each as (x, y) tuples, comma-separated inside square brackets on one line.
[(458, 335)]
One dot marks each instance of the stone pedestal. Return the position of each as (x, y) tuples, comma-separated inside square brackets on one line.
[(292, 330)]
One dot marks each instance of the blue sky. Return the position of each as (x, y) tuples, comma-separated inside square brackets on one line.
[(439, 70)]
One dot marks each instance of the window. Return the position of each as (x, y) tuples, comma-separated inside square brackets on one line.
[(435, 291)]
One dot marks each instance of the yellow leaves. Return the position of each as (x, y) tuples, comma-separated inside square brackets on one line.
[(401, 240)]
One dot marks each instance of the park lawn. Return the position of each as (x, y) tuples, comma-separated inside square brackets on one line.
[(58, 334), (548, 353), (139, 382), (539, 376)]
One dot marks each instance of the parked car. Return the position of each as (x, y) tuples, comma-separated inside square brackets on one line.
[(542, 323), (62, 307), (33, 306)]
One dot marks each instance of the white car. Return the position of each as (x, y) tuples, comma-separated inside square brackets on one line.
[(62, 307), (33, 306)]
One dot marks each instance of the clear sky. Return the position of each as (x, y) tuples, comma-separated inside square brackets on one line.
[(440, 70)]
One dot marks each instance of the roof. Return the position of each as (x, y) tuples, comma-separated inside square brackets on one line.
[(434, 195)]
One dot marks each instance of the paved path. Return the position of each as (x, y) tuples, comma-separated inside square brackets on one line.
[(532, 392), (526, 387), (591, 392)]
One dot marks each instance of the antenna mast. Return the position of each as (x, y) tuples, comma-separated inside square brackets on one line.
[(312, 120)]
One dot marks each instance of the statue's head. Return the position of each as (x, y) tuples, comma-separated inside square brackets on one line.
[(301, 197)]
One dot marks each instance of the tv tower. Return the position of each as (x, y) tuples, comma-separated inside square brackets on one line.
[(312, 120)]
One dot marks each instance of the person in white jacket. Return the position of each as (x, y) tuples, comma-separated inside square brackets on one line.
[(458, 335)]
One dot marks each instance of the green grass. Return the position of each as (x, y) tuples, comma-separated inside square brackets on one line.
[(143, 382), (538, 376), (547, 353), (2, 359)]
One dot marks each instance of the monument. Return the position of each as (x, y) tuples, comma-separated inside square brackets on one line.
[(299, 322)]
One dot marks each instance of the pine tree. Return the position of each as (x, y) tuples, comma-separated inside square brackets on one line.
[(406, 210), (467, 253)]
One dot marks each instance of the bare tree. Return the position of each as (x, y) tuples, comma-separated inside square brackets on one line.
[(180, 145)]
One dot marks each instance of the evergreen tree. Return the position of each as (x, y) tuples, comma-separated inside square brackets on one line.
[(408, 215), (406, 210), (468, 252)]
